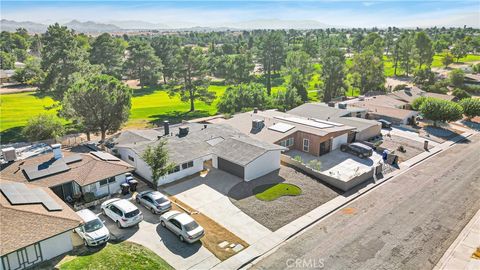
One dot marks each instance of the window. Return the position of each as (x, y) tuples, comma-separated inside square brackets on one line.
[(289, 142), (283, 143), (103, 182), (306, 145), (131, 158), (111, 180), (359, 114), (187, 165)]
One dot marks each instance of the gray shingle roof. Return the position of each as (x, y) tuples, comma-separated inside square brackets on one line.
[(235, 146), (322, 111)]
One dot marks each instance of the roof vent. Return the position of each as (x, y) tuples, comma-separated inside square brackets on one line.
[(331, 104), (342, 105), (166, 127), (257, 124), (182, 131), (57, 151)]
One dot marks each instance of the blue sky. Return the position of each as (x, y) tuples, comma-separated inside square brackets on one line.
[(226, 13)]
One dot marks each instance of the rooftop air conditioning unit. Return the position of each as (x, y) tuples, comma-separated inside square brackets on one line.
[(9, 154), (257, 124), (342, 105)]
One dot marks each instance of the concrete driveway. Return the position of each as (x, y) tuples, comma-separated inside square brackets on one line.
[(209, 195), (152, 235)]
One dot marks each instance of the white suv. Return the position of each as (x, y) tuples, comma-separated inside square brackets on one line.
[(93, 231), (122, 212)]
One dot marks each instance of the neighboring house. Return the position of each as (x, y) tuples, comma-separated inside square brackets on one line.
[(408, 95), (193, 147), (349, 116), (35, 225), (394, 115), (313, 136), (71, 175), (6, 75)]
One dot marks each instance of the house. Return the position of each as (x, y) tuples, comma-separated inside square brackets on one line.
[(36, 225), (193, 147), (74, 177), (347, 115), (313, 136), (394, 115), (408, 95)]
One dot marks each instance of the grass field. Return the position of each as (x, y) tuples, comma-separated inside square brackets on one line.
[(125, 255)]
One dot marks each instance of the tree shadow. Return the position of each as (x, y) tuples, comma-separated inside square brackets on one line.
[(147, 90), (177, 116), (12, 135)]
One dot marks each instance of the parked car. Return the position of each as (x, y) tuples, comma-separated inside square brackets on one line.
[(183, 225), (385, 123), (359, 149), (154, 200), (93, 231), (122, 212)]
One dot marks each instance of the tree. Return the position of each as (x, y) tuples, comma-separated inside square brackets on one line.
[(142, 63), (424, 77), (424, 49), (447, 59), (31, 73), (406, 49), (457, 77), (43, 127), (63, 59), (190, 80), (244, 96), (333, 73), (471, 107), (156, 157), (440, 110), (417, 103), (369, 68), (7, 60), (298, 72), (167, 48), (459, 50), (108, 52), (99, 102), (239, 68), (285, 100), (270, 53)]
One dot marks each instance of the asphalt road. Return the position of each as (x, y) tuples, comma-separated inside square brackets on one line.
[(406, 223)]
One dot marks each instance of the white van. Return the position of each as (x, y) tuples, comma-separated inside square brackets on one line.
[(93, 232)]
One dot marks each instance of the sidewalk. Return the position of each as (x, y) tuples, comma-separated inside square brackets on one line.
[(272, 240), (459, 254)]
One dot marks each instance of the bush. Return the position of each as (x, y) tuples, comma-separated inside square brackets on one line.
[(438, 87), (417, 103), (399, 87), (471, 107), (298, 158), (476, 68), (441, 110), (457, 77), (460, 93), (242, 97), (43, 127), (315, 164), (424, 77)]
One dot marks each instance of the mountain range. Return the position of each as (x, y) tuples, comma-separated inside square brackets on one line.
[(115, 26)]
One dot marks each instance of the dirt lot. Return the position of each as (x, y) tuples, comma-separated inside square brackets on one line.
[(275, 214), (412, 148)]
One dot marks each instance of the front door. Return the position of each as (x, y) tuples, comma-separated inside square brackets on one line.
[(324, 147)]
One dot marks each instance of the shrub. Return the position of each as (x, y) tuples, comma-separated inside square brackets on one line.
[(476, 68), (424, 77), (315, 164), (457, 77), (298, 158), (471, 107), (43, 127), (441, 110), (460, 93), (417, 103)]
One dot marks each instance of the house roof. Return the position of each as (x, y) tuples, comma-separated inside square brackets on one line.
[(391, 112), (382, 100), (410, 94), (222, 140), (322, 111), (268, 133), (89, 169), (359, 123), (440, 96), (26, 224)]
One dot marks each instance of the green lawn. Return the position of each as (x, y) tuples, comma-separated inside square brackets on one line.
[(273, 192), (125, 255)]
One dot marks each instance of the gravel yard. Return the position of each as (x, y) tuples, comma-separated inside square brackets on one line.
[(412, 147), (277, 213)]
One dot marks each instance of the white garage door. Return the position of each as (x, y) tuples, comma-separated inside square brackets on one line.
[(336, 142)]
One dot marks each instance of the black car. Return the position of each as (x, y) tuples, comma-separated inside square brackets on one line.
[(385, 123), (358, 149)]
